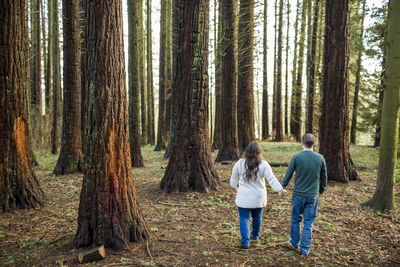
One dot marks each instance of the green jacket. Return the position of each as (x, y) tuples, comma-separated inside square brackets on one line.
[(310, 176)]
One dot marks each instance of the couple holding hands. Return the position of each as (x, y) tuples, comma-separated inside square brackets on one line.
[(248, 183)]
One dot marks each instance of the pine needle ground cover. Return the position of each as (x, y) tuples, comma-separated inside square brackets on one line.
[(193, 229)]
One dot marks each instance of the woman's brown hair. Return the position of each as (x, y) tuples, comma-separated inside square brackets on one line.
[(253, 160)]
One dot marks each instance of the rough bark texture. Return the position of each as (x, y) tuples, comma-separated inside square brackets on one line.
[(174, 101), (143, 80), (294, 70), (245, 105), (334, 126), (109, 212), (71, 144), (296, 131), (274, 72), (311, 63), (217, 141), (49, 66), (35, 87), (265, 113), (168, 71), (134, 79), (384, 196), (150, 88), (161, 131), (228, 149), (286, 109), (278, 94), (19, 188), (84, 70), (55, 130), (190, 166), (353, 128)]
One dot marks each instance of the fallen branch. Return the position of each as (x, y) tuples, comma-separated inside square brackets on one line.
[(171, 204), (275, 164), (148, 250)]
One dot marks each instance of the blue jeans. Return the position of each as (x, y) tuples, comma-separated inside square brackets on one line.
[(244, 218), (303, 208)]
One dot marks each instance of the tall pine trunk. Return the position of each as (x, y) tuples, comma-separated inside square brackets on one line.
[(294, 71), (265, 114), (286, 110), (279, 129), (245, 103), (150, 88), (135, 78), (228, 149), (35, 88), (109, 212), (143, 80), (384, 195), (69, 160), (49, 66), (274, 72), (161, 130), (190, 166), (353, 128), (19, 187), (55, 130), (335, 101), (311, 63)]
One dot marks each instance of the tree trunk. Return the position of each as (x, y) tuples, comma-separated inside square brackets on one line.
[(35, 88), (134, 79), (299, 79), (71, 144), (294, 71), (245, 105), (150, 89), (265, 119), (49, 66), (84, 70), (377, 137), (55, 130), (274, 73), (358, 79), (190, 166), (19, 187), (286, 116), (334, 146), (228, 149), (217, 142), (279, 129), (109, 212), (143, 80), (168, 71), (161, 131), (384, 196), (311, 79)]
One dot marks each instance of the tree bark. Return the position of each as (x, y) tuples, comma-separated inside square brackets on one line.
[(161, 130), (265, 113), (353, 128), (135, 79), (334, 126), (228, 150), (274, 72), (384, 195), (19, 187), (69, 160), (279, 129), (143, 80), (150, 88), (49, 66), (245, 105), (190, 166), (311, 79), (55, 130), (168, 71), (294, 71), (286, 116), (109, 212), (35, 88)]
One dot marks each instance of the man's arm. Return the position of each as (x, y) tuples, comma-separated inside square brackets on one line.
[(323, 178), (289, 173)]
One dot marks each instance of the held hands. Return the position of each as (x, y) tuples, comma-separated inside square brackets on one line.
[(234, 190), (283, 193)]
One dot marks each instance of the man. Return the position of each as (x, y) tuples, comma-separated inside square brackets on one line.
[(309, 182)]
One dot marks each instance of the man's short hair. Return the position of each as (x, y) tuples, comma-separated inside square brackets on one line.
[(308, 140)]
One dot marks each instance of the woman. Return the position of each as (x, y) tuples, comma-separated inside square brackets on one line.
[(251, 196)]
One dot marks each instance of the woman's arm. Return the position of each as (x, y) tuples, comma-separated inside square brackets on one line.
[(273, 182)]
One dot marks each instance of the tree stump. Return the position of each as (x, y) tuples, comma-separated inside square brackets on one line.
[(94, 254)]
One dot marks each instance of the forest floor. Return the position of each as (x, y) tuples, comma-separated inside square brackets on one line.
[(195, 229)]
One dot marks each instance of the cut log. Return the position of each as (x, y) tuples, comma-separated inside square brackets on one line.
[(227, 162), (274, 164), (94, 254)]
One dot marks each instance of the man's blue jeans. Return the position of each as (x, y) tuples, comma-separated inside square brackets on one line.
[(244, 217), (303, 208)]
